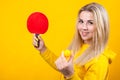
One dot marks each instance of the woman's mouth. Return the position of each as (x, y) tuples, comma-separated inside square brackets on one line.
[(85, 33)]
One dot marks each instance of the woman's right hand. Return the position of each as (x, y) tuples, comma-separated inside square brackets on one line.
[(38, 43)]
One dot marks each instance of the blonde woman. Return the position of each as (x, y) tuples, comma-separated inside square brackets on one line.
[(90, 56)]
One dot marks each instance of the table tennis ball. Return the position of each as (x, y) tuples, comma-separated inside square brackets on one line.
[(67, 54)]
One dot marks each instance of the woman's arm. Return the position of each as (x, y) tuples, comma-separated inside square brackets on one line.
[(47, 55)]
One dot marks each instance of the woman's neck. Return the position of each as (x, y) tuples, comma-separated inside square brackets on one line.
[(87, 42)]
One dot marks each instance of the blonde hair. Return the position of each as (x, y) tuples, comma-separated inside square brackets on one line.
[(100, 37)]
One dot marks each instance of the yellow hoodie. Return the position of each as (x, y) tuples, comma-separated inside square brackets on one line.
[(95, 69)]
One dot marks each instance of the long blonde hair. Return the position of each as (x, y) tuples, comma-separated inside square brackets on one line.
[(100, 37)]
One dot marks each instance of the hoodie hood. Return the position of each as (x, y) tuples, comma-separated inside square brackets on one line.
[(109, 54)]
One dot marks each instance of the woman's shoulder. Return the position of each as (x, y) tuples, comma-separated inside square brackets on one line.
[(105, 58)]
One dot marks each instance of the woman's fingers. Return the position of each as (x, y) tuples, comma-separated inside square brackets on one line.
[(63, 57), (36, 41), (39, 37), (61, 62), (35, 38), (64, 66)]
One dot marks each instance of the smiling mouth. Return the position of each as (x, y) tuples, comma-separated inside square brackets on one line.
[(85, 33)]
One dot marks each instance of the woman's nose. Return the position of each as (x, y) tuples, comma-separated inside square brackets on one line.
[(85, 26)]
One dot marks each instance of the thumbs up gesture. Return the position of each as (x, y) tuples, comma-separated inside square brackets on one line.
[(65, 63)]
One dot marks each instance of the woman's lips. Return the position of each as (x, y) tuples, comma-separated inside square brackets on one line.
[(85, 33)]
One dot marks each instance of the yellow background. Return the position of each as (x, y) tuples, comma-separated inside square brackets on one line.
[(19, 60)]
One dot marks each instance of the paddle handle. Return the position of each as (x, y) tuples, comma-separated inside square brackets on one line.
[(36, 35)]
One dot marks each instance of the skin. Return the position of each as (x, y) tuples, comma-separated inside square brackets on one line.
[(86, 27)]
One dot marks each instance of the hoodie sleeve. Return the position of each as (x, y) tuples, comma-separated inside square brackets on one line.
[(49, 57), (73, 77)]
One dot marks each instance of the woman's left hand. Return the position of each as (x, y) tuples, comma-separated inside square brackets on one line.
[(64, 66)]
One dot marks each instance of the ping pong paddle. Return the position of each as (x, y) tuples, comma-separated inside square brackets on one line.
[(37, 23)]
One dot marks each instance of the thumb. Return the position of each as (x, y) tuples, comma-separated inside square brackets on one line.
[(63, 57), (62, 54)]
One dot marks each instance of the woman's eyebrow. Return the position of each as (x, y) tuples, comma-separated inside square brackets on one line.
[(91, 20), (87, 20)]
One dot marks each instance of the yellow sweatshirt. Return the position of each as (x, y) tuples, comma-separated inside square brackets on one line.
[(95, 69)]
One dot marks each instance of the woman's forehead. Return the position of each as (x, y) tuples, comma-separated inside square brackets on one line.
[(86, 15)]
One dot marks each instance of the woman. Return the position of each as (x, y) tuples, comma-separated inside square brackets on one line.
[(90, 57)]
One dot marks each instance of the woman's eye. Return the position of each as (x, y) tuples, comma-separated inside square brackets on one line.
[(90, 22), (80, 21)]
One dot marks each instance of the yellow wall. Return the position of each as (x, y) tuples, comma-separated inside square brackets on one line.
[(19, 60)]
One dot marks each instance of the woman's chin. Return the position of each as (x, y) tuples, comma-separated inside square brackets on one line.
[(84, 38)]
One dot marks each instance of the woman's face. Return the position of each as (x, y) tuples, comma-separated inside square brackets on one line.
[(86, 26)]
